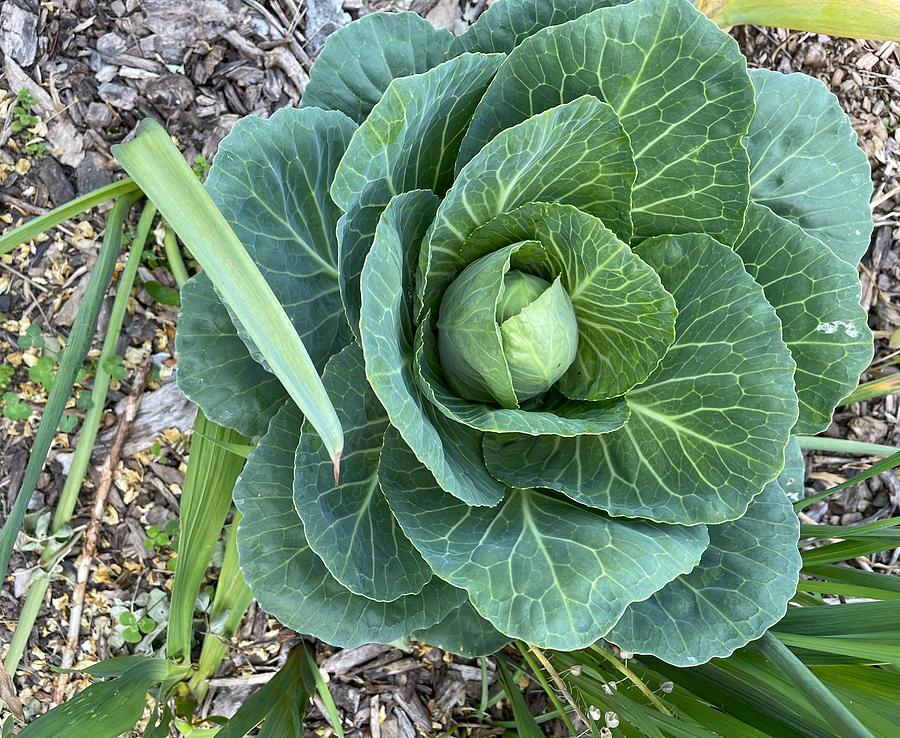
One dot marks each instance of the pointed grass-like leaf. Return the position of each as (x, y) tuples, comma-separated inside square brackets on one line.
[(708, 430), (361, 59), (626, 319), (349, 525), (817, 297), (450, 450), (157, 166), (541, 569), (287, 578), (806, 164), (216, 370), (465, 633), (574, 154), (409, 141), (680, 88), (740, 588), (503, 26)]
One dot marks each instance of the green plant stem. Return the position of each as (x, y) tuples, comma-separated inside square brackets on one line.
[(620, 666), (173, 255), (77, 346), (870, 19), (91, 425), (65, 212), (841, 445), (230, 603), (545, 685), (37, 588), (833, 710)]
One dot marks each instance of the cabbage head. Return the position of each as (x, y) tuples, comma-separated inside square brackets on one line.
[(574, 280)]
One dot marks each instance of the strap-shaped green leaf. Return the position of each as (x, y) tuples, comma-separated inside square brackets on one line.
[(805, 163), (409, 141), (626, 319), (215, 369), (817, 297), (555, 415), (450, 450), (465, 633), (361, 59), (269, 180), (290, 582), (739, 590), (545, 570), (680, 88), (506, 24), (708, 430), (575, 154), (349, 525)]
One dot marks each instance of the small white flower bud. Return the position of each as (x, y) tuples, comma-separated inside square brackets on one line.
[(594, 712), (611, 719), (667, 687)]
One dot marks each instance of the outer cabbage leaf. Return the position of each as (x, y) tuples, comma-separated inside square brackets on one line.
[(793, 477), (740, 589), (677, 83), (361, 59), (450, 450), (816, 296), (464, 632), (708, 430), (805, 163), (215, 369), (541, 569), (506, 24), (349, 525), (409, 141), (290, 582)]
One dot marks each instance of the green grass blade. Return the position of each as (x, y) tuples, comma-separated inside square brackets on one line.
[(877, 650), (874, 389), (65, 212), (331, 711), (77, 346), (885, 585), (877, 529), (158, 167), (884, 465), (526, 725), (835, 552), (205, 500), (843, 446), (173, 256)]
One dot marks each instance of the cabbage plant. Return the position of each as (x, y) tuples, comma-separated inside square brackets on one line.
[(574, 280)]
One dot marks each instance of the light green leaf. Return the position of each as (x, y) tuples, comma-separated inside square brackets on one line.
[(680, 88), (805, 163), (465, 633), (793, 477), (817, 298), (626, 319), (708, 430), (505, 25), (451, 451), (739, 590), (361, 59), (215, 370), (269, 179), (544, 570), (409, 141), (349, 525), (575, 154), (289, 581)]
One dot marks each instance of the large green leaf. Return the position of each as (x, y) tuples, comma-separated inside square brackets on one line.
[(816, 295), (270, 180), (215, 369), (738, 591), (506, 24), (793, 477), (575, 154), (287, 578), (361, 59), (806, 164), (450, 450), (708, 430), (541, 569), (680, 88), (464, 632), (349, 525), (626, 319), (409, 141)]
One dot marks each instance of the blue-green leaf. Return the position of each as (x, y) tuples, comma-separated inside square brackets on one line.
[(464, 632)]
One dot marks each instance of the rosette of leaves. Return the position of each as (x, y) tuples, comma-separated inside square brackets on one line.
[(574, 279)]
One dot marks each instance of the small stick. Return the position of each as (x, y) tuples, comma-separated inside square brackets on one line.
[(93, 530), (560, 684)]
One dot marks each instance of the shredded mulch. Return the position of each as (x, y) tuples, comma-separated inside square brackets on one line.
[(95, 69)]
